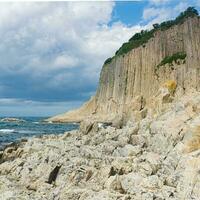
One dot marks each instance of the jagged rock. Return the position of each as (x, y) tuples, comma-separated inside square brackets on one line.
[(166, 96), (131, 183), (152, 183), (138, 140), (53, 175), (121, 166), (113, 183), (86, 126), (143, 160), (145, 168), (127, 150), (118, 122)]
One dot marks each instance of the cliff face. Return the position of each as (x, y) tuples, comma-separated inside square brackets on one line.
[(130, 81)]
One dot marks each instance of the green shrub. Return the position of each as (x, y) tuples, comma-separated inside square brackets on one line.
[(107, 61), (137, 40), (172, 58)]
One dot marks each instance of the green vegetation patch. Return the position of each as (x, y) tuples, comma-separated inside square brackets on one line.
[(108, 61), (172, 58), (139, 39)]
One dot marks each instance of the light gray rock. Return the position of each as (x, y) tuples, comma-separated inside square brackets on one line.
[(127, 150), (86, 126)]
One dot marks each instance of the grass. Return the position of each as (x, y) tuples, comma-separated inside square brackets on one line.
[(173, 58)]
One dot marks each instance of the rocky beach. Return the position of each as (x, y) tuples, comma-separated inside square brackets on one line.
[(156, 158)]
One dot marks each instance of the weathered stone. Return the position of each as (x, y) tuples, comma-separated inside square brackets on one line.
[(113, 183), (86, 126)]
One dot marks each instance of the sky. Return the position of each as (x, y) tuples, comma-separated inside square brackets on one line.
[(51, 53)]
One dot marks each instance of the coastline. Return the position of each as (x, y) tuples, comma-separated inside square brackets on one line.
[(149, 159)]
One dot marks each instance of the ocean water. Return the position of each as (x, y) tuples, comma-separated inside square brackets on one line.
[(32, 126)]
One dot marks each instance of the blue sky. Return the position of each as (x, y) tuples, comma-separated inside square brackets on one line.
[(51, 53)]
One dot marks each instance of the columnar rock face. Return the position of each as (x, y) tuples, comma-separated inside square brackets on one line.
[(135, 74)]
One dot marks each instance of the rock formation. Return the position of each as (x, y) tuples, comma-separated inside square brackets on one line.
[(151, 159), (129, 81)]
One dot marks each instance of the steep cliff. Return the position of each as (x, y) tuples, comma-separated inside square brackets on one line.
[(129, 81)]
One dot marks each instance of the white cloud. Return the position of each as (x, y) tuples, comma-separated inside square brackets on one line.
[(158, 11), (41, 37), (65, 61), (149, 13), (158, 2)]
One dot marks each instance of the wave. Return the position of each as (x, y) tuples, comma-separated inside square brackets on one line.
[(7, 131), (28, 131)]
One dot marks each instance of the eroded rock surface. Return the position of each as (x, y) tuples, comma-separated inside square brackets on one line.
[(129, 81), (155, 158)]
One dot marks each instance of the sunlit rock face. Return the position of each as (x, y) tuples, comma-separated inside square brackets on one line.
[(154, 158), (129, 82)]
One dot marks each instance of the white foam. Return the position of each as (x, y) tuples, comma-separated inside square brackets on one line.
[(7, 130)]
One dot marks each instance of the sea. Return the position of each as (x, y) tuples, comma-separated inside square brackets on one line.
[(31, 126)]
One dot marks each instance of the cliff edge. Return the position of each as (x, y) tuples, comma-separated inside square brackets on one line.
[(166, 56)]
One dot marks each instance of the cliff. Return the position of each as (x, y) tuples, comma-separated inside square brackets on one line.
[(129, 81)]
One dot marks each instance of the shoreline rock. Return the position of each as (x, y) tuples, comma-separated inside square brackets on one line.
[(12, 119), (145, 160)]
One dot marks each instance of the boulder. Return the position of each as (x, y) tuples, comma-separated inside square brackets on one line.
[(86, 126)]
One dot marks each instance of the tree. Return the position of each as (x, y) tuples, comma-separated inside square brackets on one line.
[(156, 26)]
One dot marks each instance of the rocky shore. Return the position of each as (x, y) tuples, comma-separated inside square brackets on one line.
[(156, 158)]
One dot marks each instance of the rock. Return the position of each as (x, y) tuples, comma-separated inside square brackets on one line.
[(172, 180), (86, 126), (145, 168), (131, 182), (113, 183), (12, 119), (139, 140), (127, 150), (142, 160), (152, 183), (121, 166), (89, 174), (118, 122), (53, 175)]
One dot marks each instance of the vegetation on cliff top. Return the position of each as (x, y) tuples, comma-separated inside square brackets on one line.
[(143, 37)]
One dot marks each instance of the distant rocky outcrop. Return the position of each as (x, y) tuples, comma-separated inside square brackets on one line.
[(131, 79), (11, 119)]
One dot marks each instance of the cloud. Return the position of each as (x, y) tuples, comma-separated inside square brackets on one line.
[(65, 61), (20, 107), (158, 2), (158, 11)]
